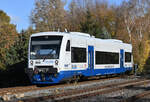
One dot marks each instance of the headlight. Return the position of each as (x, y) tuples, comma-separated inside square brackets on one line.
[(31, 63), (56, 62)]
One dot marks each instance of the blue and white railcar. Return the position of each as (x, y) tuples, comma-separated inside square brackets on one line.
[(57, 56)]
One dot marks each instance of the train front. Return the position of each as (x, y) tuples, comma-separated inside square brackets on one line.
[(43, 58)]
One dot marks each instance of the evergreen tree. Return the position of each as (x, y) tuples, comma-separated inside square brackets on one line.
[(8, 36), (19, 51), (92, 26)]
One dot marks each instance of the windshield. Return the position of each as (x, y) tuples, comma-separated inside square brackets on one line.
[(45, 47)]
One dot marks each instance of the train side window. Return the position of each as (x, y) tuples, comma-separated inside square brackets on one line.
[(68, 46), (78, 55), (128, 56), (106, 57)]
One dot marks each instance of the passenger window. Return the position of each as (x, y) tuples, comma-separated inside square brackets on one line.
[(107, 57), (68, 46), (78, 55)]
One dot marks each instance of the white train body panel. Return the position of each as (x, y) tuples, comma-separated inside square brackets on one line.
[(67, 65)]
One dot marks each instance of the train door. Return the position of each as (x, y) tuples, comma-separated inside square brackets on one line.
[(121, 58), (90, 57)]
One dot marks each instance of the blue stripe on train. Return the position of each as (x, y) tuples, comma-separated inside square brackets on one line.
[(68, 74)]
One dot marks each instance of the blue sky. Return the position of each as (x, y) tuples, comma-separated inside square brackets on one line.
[(20, 10)]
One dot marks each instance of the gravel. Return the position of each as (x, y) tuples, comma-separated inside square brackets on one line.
[(50, 91), (117, 96)]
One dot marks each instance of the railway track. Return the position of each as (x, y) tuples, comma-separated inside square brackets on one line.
[(89, 92), (137, 97), (14, 90), (8, 93), (76, 94), (143, 97)]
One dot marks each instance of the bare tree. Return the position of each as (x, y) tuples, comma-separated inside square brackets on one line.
[(48, 15)]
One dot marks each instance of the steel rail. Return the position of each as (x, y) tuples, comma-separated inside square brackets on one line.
[(76, 94)]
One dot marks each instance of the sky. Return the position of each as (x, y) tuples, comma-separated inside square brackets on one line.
[(20, 10)]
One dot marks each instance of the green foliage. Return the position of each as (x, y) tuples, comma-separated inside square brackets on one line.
[(92, 26), (19, 51), (13, 46), (8, 36)]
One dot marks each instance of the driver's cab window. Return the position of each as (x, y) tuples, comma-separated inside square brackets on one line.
[(68, 46)]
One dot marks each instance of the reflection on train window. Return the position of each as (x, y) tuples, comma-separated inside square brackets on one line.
[(106, 58), (78, 55), (128, 57), (47, 47)]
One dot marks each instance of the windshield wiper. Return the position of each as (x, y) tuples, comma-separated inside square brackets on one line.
[(47, 55)]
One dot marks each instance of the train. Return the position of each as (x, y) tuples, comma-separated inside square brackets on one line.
[(57, 56)]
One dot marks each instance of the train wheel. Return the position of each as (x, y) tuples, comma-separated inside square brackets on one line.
[(99, 77), (76, 79), (69, 81)]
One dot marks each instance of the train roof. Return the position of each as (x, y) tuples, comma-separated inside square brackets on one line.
[(61, 33), (47, 33), (77, 34)]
